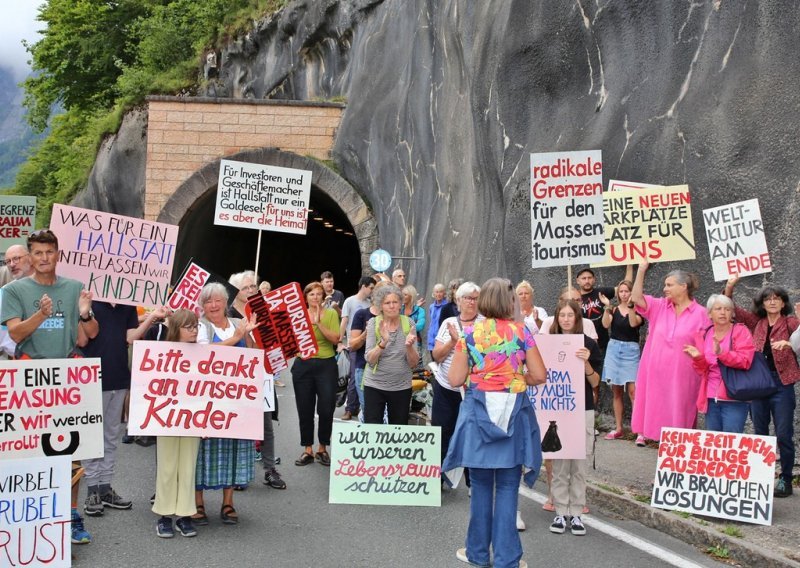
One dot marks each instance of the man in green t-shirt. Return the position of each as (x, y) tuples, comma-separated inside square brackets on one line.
[(48, 316)]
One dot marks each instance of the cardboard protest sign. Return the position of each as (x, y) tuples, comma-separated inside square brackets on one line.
[(35, 517), (616, 185), (17, 219), (51, 407), (717, 474), (651, 223), (256, 196), (284, 326), (119, 259), (381, 464), (186, 293), (567, 208), (191, 389), (736, 240), (561, 400)]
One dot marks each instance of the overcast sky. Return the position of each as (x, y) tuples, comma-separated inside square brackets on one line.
[(17, 22)]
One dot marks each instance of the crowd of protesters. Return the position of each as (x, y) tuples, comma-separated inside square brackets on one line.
[(480, 342)]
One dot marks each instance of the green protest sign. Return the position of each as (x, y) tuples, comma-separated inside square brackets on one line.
[(379, 464)]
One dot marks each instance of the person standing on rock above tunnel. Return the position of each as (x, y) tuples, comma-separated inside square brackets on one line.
[(667, 383), (772, 324)]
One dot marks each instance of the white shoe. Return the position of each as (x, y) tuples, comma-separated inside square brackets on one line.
[(520, 522)]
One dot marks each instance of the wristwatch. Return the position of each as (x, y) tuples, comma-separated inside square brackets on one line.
[(89, 316)]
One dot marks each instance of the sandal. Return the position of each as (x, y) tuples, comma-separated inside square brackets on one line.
[(199, 518), (225, 515), (548, 506), (323, 458), (304, 459), (613, 435)]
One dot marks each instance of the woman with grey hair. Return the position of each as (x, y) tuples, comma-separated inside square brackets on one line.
[(391, 355), (447, 399), (222, 463), (727, 343), (246, 283), (450, 309), (667, 384)]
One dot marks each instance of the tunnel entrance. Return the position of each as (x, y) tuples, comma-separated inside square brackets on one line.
[(341, 229)]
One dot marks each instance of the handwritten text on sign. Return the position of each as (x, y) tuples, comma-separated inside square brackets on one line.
[(567, 208), (718, 474), (736, 240), (188, 389), (17, 219), (51, 407), (284, 326), (561, 398), (119, 259), (187, 291), (35, 519), (255, 196), (379, 464), (651, 223)]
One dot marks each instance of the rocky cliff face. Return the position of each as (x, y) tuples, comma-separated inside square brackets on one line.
[(446, 100)]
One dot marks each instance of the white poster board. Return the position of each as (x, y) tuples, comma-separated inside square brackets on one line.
[(736, 240)]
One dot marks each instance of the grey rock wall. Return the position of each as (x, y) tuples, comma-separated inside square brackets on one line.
[(446, 99)]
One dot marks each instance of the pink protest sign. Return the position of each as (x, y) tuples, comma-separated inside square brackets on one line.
[(119, 259), (188, 389), (187, 290), (559, 403)]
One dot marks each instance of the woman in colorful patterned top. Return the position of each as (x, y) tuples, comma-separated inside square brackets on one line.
[(496, 433)]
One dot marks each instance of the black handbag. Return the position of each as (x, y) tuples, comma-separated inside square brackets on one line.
[(749, 384), (551, 442)]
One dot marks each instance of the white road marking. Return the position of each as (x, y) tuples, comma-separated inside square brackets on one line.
[(628, 538)]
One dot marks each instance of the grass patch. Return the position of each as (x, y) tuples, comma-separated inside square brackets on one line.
[(719, 551), (683, 514), (642, 498), (610, 488), (733, 530)]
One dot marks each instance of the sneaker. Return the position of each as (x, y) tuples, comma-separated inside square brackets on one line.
[(613, 435), (79, 533), (640, 441), (111, 499), (259, 457), (559, 525), (520, 522), (576, 526), (782, 489), (185, 527), (93, 507), (164, 527), (273, 479), (347, 415)]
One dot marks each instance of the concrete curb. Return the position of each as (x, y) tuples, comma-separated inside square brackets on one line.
[(748, 554)]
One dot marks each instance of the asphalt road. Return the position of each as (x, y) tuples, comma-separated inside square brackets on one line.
[(297, 527)]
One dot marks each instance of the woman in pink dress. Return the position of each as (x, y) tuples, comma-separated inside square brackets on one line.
[(667, 384)]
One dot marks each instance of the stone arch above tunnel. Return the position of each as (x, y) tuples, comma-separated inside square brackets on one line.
[(323, 179)]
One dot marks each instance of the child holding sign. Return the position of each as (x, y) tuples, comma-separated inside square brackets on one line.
[(176, 456)]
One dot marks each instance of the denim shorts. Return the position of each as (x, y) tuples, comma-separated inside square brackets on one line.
[(621, 362)]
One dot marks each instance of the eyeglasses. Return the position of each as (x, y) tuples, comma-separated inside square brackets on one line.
[(470, 298), (773, 299), (249, 287), (193, 327), (15, 259), (42, 232)]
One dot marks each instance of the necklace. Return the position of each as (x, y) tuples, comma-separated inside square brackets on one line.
[(462, 320)]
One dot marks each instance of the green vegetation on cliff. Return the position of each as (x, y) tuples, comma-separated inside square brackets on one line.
[(99, 58)]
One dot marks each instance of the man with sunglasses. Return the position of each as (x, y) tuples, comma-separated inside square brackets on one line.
[(49, 316)]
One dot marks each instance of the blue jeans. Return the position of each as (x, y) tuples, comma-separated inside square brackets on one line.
[(493, 517), (358, 379), (780, 406), (353, 400), (726, 416)]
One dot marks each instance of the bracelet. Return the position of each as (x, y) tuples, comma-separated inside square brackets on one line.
[(380, 346), (590, 374)]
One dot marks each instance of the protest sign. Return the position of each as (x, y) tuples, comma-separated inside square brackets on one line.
[(650, 223), (190, 389), (616, 185), (383, 464), (560, 402), (717, 474), (187, 291), (51, 407), (257, 196), (567, 208), (17, 220), (119, 259), (284, 326), (35, 517), (736, 240)]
